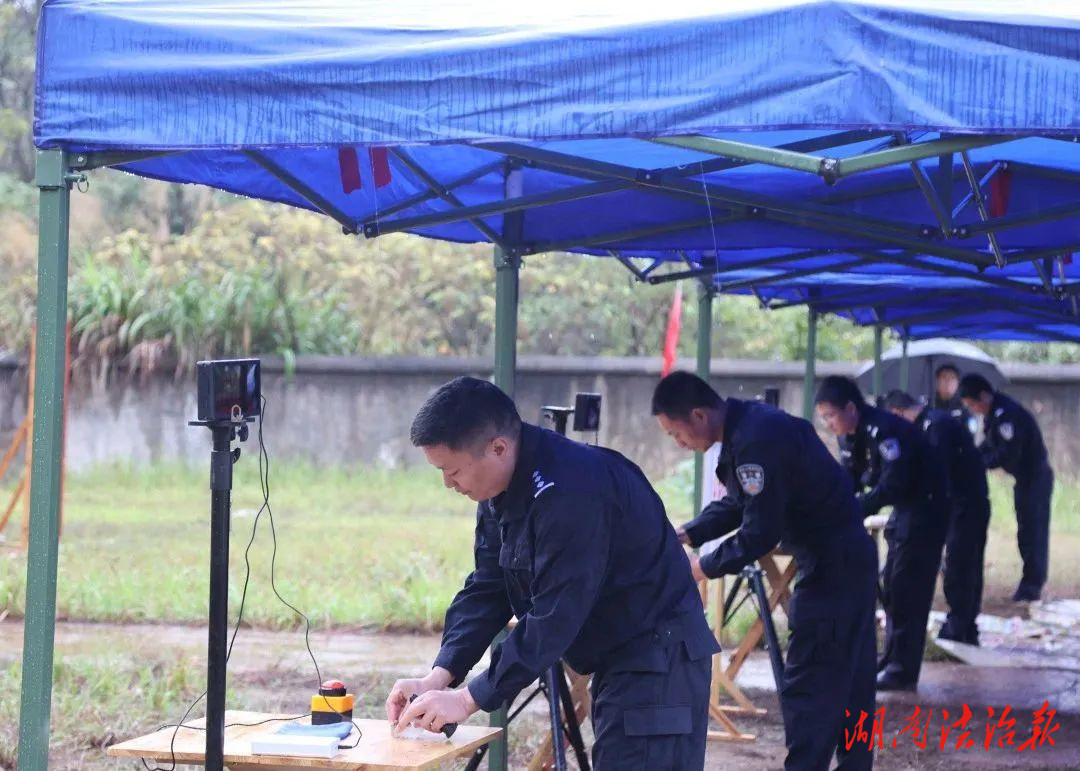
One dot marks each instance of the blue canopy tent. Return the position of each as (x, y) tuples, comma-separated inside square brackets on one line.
[(917, 303), (917, 299), (407, 118), (888, 130)]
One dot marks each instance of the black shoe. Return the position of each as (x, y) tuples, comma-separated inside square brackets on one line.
[(946, 633), (890, 681), (1026, 594), (973, 635)]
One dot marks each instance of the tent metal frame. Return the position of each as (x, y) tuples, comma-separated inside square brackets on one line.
[(908, 260), (724, 203)]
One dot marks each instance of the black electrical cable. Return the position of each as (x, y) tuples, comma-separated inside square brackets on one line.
[(264, 478), (264, 482)]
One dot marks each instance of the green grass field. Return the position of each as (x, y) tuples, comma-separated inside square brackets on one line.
[(98, 701), (380, 549), (354, 547)]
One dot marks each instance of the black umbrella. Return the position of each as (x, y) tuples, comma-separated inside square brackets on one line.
[(924, 357)]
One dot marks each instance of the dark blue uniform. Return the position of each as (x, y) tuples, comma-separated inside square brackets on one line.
[(784, 487), (956, 410), (580, 549), (969, 518), (901, 470), (1014, 443), (847, 449)]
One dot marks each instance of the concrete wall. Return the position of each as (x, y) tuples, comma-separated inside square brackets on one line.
[(357, 410)]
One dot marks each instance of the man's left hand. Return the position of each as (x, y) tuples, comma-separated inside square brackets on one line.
[(434, 709), (695, 568)]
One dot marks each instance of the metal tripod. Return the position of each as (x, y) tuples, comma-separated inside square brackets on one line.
[(555, 688), (756, 590)]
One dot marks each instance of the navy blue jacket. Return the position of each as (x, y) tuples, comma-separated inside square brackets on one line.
[(955, 408), (580, 549), (850, 447), (1012, 440), (895, 463), (783, 487), (956, 448)]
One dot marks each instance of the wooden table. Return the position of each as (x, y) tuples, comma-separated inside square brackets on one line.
[(377, 749)]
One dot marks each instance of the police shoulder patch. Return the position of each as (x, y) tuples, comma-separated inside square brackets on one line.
[(889, 449), (751, 478), (1007, 431), (540, 484)]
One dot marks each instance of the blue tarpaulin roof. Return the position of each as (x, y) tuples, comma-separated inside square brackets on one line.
[(246, 73), (405, 116)]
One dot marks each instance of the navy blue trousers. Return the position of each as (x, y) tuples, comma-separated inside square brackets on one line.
[(1032, 498), (650, 703)]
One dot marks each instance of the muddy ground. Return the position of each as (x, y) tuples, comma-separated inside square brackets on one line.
[(271, 671)]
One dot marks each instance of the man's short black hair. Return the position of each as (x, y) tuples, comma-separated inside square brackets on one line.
[(465, 413), (838, 391), (973, 386), (680, 392), (946, 367), (898, 399)]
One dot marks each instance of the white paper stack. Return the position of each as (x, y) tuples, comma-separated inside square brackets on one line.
[(293, 745)]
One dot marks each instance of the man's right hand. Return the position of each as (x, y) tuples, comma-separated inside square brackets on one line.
[(695, 569), (684, 539), (438, 679)]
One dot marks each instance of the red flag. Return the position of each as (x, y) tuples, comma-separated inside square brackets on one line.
[(350, 169), (380, 166), (671, 339), (349, 165), (1000, 187)]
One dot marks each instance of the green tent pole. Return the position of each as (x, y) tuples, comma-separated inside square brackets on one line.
[(506, 319), (507, 282), (39, 627), (810, 376), (506, 316), (704, 360)]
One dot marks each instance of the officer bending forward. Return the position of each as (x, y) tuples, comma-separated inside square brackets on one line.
[(784, 486), (573, 541)]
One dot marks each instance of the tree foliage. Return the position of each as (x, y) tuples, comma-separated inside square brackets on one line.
[(18, 27), (260, 278), (253, 277)]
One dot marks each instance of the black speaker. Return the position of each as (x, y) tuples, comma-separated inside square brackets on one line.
[(587, 412), (229, 390)]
